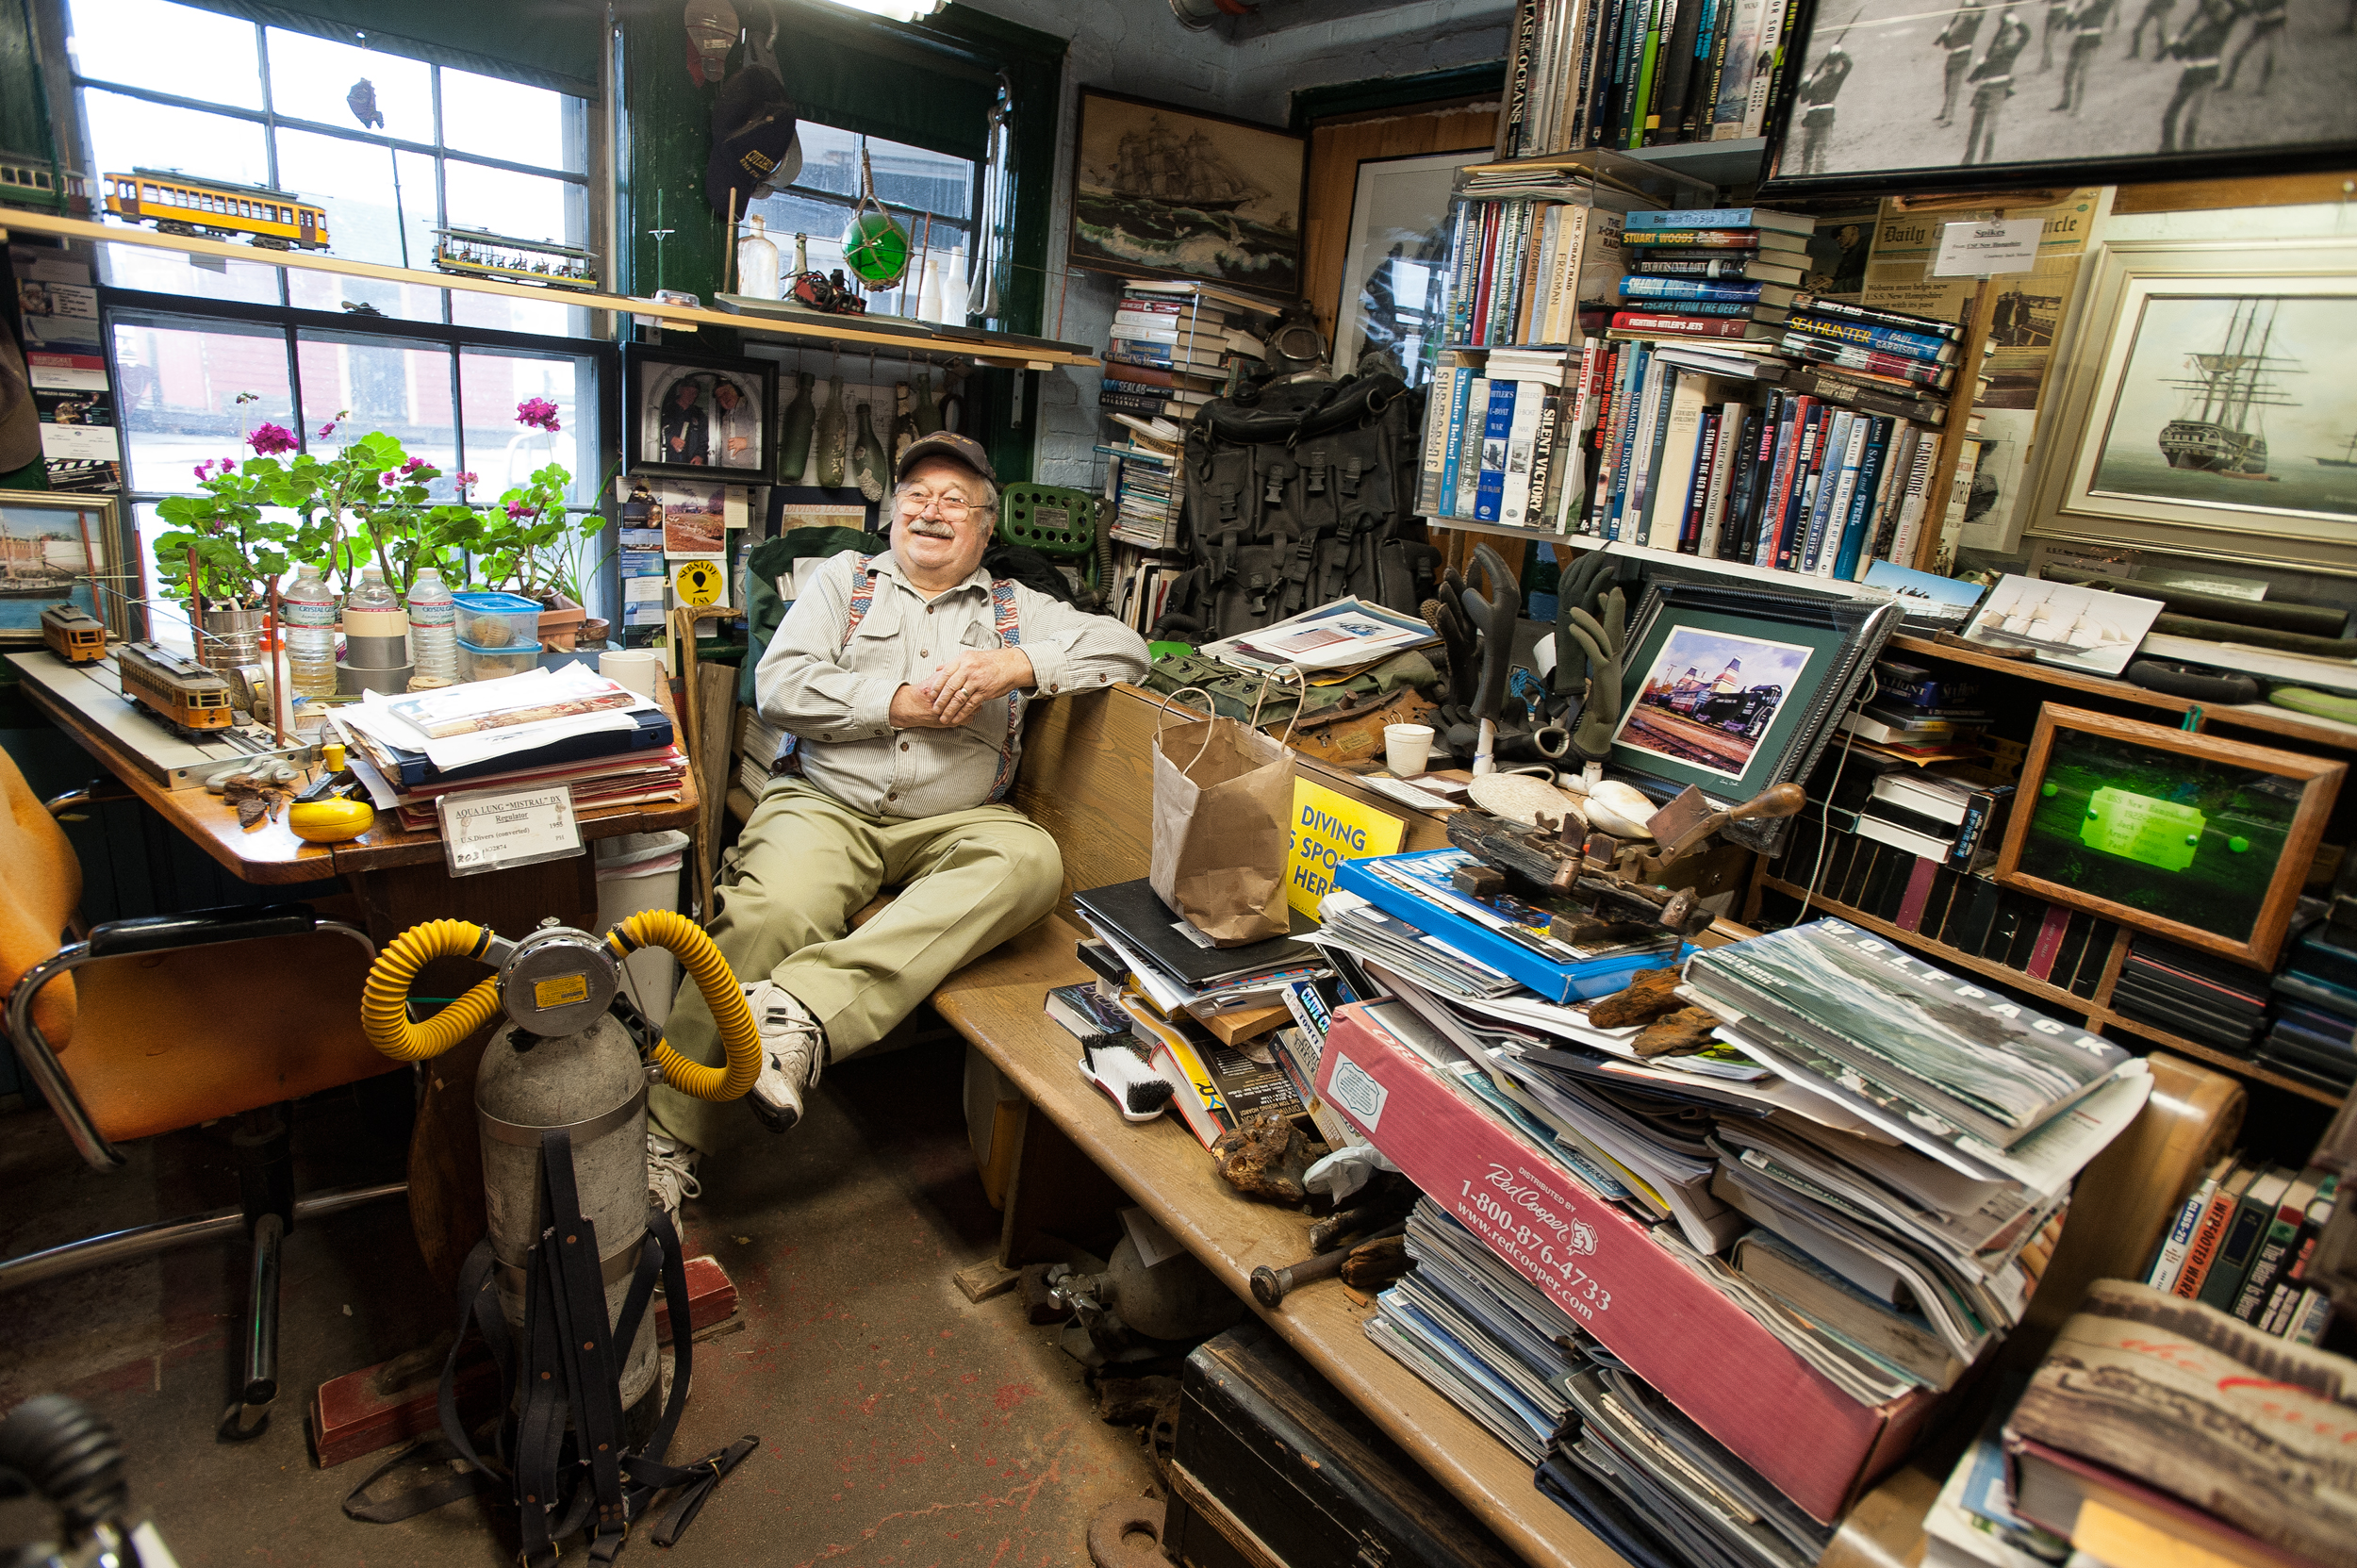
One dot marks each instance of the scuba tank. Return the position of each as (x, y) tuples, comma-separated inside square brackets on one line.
[(561, 1283)]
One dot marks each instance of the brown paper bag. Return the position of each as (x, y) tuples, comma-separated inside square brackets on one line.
[(1223, 826)]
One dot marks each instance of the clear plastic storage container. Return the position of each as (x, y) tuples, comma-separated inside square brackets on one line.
[(496, 621), (489, 664)]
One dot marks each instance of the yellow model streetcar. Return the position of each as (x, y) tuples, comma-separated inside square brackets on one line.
[(73, 633), (178, 204), (177, 690)]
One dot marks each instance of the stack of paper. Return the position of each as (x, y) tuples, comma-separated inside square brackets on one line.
[(610, 744), (1342, 637)]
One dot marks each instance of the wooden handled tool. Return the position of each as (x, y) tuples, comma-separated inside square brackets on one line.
[(1269, 1285)]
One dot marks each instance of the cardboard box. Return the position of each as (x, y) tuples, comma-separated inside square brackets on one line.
[(1813, 1442)]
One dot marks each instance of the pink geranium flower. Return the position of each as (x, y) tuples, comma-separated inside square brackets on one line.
[(518, 511), (326, 430), (463, 478), (269, 440), (539, 413)]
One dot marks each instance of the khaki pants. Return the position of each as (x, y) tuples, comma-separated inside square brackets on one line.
[(969, 880)]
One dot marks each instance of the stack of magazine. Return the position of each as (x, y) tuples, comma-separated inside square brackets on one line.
[(1894, 1252)]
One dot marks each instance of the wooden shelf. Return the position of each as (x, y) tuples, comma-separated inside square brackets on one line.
[(2096, 1012), (986, 349), (2262, 717)]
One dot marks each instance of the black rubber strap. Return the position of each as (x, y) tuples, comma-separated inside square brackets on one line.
[(2203, 685), (698, 1480), (448, 1488)]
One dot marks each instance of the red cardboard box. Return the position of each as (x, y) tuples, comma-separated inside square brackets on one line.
[(1732, 1377)]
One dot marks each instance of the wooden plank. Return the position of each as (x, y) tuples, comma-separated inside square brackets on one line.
[(982, 1281), (988, 348), (995, 1003), (1952, 440), (170, 758), (1335, 154), (351, 1416), (2209, 195)]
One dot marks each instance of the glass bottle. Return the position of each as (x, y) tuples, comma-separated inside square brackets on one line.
[(757, 263)]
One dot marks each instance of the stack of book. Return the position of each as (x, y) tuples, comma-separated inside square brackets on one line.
[(2241, 1243), (1692, 301), (1168, 350), (2316, 1015), (1945, 902), (1948, 821), (1493, 450), (608, 745), (1144, 480), (1640, 72), (1900, 1249), (1527, 253), (1184, 1000), (1910, 353), (2197, 995), (1914, 713)]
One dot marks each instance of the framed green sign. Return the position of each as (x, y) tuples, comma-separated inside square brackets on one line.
[(2195, 837), (1733, 690)]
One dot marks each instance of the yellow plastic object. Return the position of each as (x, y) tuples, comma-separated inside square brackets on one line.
[(330, 821), (666, 928), (332, 756), (385, 1002)]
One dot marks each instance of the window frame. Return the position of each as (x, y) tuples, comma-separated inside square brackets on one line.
[(292, 320)]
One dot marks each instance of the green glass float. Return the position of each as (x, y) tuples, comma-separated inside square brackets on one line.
[(874, 246)]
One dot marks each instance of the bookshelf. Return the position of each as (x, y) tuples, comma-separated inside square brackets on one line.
[(2096, 1010), (2308, 728), (1724, 164), (985, 348)]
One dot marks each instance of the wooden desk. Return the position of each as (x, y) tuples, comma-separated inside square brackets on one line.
[(400, 882), (996, 1004)]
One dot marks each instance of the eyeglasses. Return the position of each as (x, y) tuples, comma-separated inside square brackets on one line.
[(954, 508)]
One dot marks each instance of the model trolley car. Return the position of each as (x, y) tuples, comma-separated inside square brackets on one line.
[(479, 252), (177, 690), (73, 633), (178, 204), (29, 181)]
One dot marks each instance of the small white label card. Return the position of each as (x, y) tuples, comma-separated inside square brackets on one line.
[(488, 829), (1986, 249)]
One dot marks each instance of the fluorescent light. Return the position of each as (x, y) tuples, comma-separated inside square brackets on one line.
[(896, 10)]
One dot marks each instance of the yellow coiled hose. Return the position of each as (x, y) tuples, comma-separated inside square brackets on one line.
[(385, 1000)]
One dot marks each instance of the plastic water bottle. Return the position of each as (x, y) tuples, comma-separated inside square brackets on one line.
[(433, 626), (308, 609)]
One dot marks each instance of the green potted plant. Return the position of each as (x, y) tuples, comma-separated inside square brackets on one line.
[(528, 543), (224, 554)]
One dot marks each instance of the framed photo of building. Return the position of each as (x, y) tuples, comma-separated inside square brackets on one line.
[(1160, 191), (60, 549), (2204, 404), (697, 415), (1733, 690), (2009, 94), (2193, 838)]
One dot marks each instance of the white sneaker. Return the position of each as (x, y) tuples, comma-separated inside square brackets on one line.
[(670, 1173), (793, 1049)]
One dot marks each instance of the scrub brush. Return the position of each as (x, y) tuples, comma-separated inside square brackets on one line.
[(1136, 1088)]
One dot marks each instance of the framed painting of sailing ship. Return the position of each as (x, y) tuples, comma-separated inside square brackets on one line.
[(1160, 191), (2205, 406), (2194, 837), (1883, 95), (58, 549)]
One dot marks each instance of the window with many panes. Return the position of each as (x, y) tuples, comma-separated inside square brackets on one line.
[(393, 149), (931, 193)]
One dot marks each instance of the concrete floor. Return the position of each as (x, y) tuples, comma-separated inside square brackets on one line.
[(899, 1424)]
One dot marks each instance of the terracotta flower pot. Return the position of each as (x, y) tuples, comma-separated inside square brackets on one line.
[(560, 628)]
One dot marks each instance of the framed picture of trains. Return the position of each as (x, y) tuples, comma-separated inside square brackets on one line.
[(692, 416), (2194, 837), (1160, 191), (1733, 690), (58, 550), (2204, 405)]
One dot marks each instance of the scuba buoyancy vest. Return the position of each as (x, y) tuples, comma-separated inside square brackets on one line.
[(1298, 495)]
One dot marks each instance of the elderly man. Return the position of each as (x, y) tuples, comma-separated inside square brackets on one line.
[(902, 679)]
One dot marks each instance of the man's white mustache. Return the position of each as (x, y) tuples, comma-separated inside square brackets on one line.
[(931, 529)]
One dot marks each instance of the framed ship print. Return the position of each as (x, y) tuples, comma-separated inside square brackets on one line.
[(2193, 838), (1160, 191), (2205, 406), (1879, 95), (60, 548)]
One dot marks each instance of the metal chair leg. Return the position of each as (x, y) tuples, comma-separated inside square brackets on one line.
[(248, 1417)]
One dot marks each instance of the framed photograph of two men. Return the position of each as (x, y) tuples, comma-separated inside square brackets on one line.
[(690, 415), (1987, 94)]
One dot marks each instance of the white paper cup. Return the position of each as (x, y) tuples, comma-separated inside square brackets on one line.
[(1407, 747), (635, 667)]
